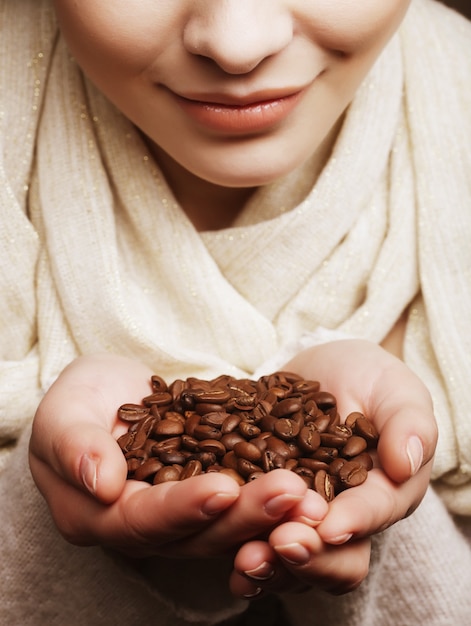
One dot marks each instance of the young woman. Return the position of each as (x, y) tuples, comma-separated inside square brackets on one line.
[(197, 188)]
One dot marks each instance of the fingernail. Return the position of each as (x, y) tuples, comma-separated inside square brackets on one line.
[(415, 453), (280, 504), (340, 539), (294, 553), (218, 502), (264, 571), (88, 473), (253, 594)]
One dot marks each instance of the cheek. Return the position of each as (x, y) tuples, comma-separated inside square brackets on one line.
[(108, 38), (353, 27)]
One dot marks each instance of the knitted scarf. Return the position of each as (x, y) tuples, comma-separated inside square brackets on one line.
[(96, 254)]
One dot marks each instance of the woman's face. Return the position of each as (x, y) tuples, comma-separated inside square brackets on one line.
[(237, 92)]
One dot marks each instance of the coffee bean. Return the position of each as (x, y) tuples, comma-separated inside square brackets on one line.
[(167, 473), (168, 427), (132, 412), (148, 469), (247, 450), (364, 428), (354, 446), (323, 485), (192, 468), (244, 429), (352, 474), (309, 438)]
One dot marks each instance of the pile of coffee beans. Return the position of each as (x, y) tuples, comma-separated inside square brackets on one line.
[(245, 428)]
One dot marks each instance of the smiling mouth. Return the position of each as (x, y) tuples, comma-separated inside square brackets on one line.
[(239, 118)]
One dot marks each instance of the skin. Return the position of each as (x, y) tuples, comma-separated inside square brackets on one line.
[(142, 55), (238, 56)]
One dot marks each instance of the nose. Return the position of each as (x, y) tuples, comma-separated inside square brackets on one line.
[(237, 34)]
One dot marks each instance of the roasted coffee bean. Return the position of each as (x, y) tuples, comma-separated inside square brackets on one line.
[(249, 430), (158, 383), (247, 450), (291, 464), (286, 407), (192, 468), (309, 438), (352, 418), (354, 446), (133, 465), (211, 396), (204, 431), (125, 441), (191, 422), (140, 454), (190, 443), (174, 416), (202, 408), (260, 442), (352, 474), (139, 441), (306, 386), (132, 412), (245, 467), (205, 458), (172, 457), (214, 418), (167, 473), (336, 465), (325, 454), (244, 429), (212, 445), (148, 469), (323, 485), (278, 446), (325, 400), (313, 464), (230, 460), (230, 424), (365, 428), (286, 429), (365, 460), (160, 398), (167, 444), (230, 440), (271, 461), (168, 428)]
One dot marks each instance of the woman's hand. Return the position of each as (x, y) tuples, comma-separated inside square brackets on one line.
[(334, 554), (81, 472)]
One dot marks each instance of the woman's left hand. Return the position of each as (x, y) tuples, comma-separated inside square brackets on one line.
[(334, 554)]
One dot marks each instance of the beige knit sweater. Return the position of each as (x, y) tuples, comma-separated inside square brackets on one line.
[(96, 255)]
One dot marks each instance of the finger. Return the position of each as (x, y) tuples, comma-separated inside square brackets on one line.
[(86, 456), (262, 504), (364, 377), (372, 507), (258, 569), (254, 565), (75, 426), (407, 427), (145, 519), (336, 569)]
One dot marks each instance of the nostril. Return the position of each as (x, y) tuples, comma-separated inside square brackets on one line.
[(237, 38)]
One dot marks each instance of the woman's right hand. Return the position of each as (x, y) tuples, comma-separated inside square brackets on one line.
[(81, 472)]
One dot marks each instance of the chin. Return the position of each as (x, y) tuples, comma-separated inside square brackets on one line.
[(251, 172)]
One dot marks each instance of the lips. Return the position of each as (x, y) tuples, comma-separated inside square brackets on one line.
[(239, 118)]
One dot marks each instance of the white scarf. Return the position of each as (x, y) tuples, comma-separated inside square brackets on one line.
[(108, 261)]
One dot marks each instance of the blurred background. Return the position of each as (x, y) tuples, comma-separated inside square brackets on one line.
[(461, 5)]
